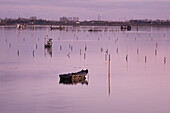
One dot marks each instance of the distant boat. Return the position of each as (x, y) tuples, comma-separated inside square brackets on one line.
[(73, 78), (21, 26), (94, 30), (126, 27), (48, 43), (58, 28)]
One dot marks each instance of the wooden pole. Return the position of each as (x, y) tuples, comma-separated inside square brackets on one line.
[(109, 74)]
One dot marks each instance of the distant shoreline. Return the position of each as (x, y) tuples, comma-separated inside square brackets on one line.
[(162, 25), (32, 21)]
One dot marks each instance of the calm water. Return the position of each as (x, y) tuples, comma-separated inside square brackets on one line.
[(139, 70)]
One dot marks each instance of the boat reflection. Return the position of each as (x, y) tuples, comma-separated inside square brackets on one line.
[(74, 78), (48, 50), (74, 82)]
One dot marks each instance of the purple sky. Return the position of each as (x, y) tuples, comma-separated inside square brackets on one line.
[(87, 9)]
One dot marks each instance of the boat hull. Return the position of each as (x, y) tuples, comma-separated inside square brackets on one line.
[(74, 78)]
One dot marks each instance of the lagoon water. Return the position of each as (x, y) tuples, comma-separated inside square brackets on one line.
[(139, 79)]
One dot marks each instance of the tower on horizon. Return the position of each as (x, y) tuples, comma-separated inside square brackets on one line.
[(99, 17)]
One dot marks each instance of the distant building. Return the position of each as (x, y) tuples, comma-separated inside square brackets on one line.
[(33, 18), (69, 19), (63, 19)]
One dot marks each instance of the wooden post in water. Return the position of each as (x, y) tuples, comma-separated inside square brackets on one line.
[(33, 53), (109, 74), (18, 52), (36, 46), (126, 58), (10, 45), (164, 60), (60, 47), (145, 62), (145, 59), (155, 52), (164, 63), (117, 50)]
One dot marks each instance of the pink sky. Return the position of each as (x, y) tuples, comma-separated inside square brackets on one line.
[(86, 9)]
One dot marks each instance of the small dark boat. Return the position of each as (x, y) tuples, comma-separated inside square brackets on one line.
[(126, 27), (94, 30), (74, 78), (57, 28), (48, 43)]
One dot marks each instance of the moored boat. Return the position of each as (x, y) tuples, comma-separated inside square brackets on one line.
[(71, 78), (48, 43), (126, 27), (94, 30), (21, 26), (57, 28)]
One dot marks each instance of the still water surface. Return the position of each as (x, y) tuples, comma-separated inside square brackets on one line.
[(139, 70)]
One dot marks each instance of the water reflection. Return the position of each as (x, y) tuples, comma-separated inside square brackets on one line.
[(48, 50), (47, 45), (74, 82), (139, 69)]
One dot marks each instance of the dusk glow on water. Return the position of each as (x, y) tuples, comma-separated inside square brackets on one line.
[(139, 70)]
